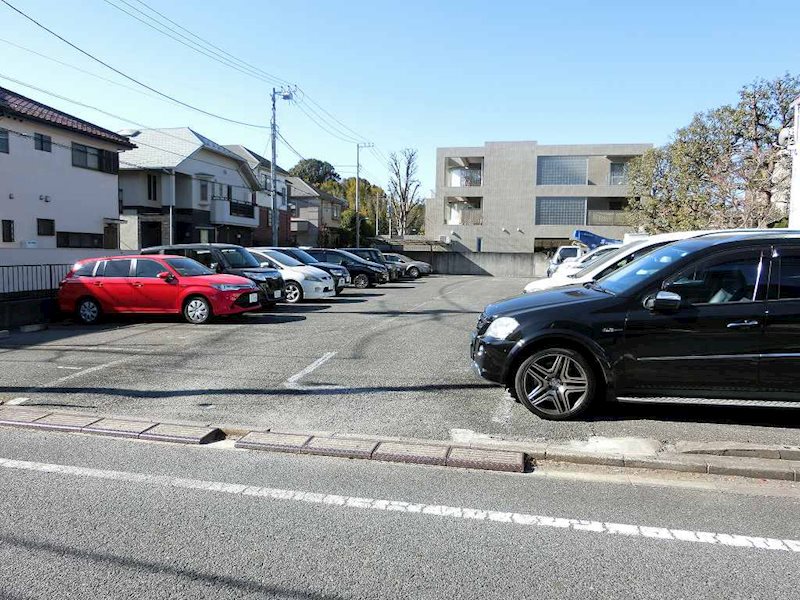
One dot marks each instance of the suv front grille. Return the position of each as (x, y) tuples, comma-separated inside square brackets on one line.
[(483, 324), (271, 285)]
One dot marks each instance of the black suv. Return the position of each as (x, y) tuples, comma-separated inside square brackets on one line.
[(340, 274), (231, 259), (363, 272), (376, 256), (706, 320)]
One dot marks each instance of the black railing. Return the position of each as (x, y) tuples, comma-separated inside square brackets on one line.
[(19, 282), (240, 209)]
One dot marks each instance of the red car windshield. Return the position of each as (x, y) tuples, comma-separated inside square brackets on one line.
[(188, 267)]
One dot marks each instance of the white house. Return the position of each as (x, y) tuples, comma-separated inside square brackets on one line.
[(263, 170), (58, 178), (178, 186)]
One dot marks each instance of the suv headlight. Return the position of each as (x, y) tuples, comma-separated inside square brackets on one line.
[(257, 276), (501, 328)]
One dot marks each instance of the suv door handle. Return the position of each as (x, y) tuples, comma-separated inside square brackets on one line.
[(742, 324)]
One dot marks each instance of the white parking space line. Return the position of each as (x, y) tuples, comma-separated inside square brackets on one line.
[(69, 368), (294, 379), (336, 501), (17, 401)]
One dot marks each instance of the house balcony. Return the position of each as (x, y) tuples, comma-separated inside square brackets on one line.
[(608, 217), (464, 172), (241, 209), (463, 211), (230, 212)]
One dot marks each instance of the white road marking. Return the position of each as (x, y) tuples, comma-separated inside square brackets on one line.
[(83, 372), (434, 510), (69, 368), (502, 412), (292, 381), (17, 401)]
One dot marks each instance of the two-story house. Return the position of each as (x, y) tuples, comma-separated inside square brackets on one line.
[(315, 214), (58, 177), (525, 197), (178, 186), (262, 236)]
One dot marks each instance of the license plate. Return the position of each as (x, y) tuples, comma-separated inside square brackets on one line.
[(278, 294), (253, 298), (342, 281)]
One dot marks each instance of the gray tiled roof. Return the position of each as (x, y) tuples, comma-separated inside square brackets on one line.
[(167, 148), (301, 189), (253, 158), (14, 104)]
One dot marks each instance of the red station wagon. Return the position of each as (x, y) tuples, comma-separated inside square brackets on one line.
[(154, 285)]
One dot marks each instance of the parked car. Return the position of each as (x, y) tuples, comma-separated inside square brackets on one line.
[(573, 265), (562, 253), (411, 268), (612, 261), (364, 273), (376, 256), (300, 282), (154, 285), (709, 319), (233, 260), (340, 274)]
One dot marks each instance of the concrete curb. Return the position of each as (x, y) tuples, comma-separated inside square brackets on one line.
[(740, 460)]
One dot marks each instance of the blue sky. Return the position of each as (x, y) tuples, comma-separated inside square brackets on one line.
[(418, 74)]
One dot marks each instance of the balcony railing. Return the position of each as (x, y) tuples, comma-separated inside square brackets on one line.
[(608, 217), (465, 177), (467, 216), (240, 209)]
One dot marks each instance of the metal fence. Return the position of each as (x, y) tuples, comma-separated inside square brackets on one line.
[(19, 282)]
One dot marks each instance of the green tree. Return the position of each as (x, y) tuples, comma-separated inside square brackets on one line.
[(315, 171), (347, 224), (724, 169)]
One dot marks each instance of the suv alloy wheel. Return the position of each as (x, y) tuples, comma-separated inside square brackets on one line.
[(361, 281), (555, 384), (293, 291)]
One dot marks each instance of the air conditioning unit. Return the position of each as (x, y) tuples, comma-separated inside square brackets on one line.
[(444, 239), (30, 244)]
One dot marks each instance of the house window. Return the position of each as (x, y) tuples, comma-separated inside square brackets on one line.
[(618, 174), (478, 244), (96, 159), (4, 141), (45, 227), (295, 210), (68, 239), (230, 193), (8, 231), (560, 211), (42, 142), (337, 210), (152, 187), (616, 205), (562, 170), (253, 198), (203, 192)]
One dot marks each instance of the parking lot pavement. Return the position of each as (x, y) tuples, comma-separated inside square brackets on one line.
[(391, 360)]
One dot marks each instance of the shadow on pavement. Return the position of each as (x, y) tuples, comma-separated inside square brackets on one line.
[(211, 580)]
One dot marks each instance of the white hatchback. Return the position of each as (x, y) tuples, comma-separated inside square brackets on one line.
[(302, 282)]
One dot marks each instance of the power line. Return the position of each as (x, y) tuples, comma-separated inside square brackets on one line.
[(126, 76), (288, 145)]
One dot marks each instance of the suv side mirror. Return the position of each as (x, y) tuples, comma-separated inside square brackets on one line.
[(663, 301), (215, 266)]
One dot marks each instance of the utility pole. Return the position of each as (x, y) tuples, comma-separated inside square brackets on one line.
[(287, 94), (377, 214), (359, 146)]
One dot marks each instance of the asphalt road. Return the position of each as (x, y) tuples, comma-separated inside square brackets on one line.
[(85, 517), (393, 361)]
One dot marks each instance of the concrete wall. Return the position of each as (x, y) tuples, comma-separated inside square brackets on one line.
[(497, 264), (78, 199), (508, 193), (51, 256)]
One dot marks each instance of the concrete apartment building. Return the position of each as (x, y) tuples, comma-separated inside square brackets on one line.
[(526, 197), (316, 215), (58, 178), (179, 187)]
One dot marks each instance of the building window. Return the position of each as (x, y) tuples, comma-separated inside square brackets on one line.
[(45, 227), (4, 141), (337, 211), (230, 193), (560, 211), (295, 210), (8, 231), (203, 191), (616, 205), (562, 170), (152, 187), (68, 239), (618, 174), (478, 244), (87, 157), (42, 142)]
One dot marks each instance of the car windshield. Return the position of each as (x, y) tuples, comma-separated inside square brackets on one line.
[(239, 258), (188, 267), (586, 270), (633, 273), (300, 255), (283, 259)]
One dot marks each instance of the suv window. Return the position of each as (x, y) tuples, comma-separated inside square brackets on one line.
[(785, 280), (732, 277), (148, 268), (204, 257), (117, 268), (334, 257)]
